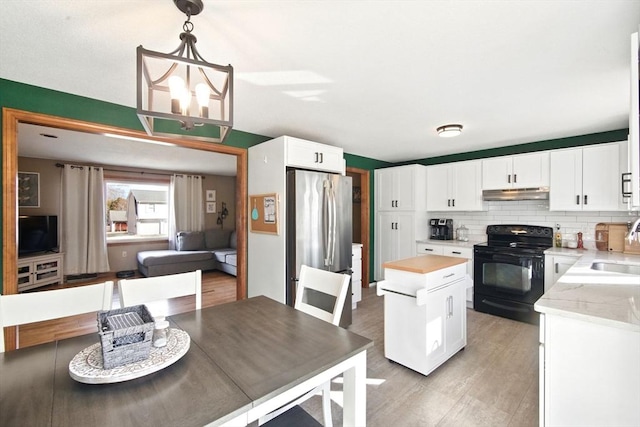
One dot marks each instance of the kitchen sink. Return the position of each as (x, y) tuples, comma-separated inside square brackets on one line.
[(616, 268)]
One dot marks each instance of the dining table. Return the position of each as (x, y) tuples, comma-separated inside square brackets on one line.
[(246, 358)]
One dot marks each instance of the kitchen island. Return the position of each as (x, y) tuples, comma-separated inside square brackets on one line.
[(425, 318), (590, 343)]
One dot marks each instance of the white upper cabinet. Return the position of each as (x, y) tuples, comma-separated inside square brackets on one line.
[(455, 186), (586, 179), (401, 188), (520, 171), (313, 155)]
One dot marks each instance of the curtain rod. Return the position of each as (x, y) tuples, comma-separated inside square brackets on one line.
[(60, 165)]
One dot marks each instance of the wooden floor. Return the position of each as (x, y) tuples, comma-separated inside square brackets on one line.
[(217, 288), (492, 382)]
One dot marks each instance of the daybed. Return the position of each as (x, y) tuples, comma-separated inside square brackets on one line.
[(195, 250)]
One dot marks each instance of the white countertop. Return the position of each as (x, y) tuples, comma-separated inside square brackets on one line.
[(610, 299), (455, 243)]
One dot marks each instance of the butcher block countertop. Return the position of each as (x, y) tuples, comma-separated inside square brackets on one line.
[(424, 264)]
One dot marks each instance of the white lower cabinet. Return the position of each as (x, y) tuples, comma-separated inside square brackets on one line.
[(589, 373), (425, 318), (39, 270), (555, 266)]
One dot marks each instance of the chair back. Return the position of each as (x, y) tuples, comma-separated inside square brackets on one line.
[(20, 309), (160, 288), (325, 282)]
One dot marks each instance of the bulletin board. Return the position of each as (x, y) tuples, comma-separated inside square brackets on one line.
[(263, 213)]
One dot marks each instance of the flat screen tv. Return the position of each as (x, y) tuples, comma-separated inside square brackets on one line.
[(37, 233)]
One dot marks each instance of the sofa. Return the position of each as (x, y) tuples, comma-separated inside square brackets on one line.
[(195, 250)]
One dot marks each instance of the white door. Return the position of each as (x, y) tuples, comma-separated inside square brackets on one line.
[(405, 233), (405, 187), (438, 187), (600, 178), (466, 185), (436, 307), (386, 241), (385, 193), (456, 316), (530, 170), (565, 186), (496, 173)]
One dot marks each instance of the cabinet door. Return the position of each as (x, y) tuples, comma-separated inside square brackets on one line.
[(385, 189), (315, 156), (437, 309), (386, 241), (565, 186), (496, 173), (406, 238), (438, 188), (456, 326), (530, 170), (466, 186), (601, 178), (405, 187)]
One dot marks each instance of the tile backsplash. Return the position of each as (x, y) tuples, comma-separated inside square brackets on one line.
[(534, 212)]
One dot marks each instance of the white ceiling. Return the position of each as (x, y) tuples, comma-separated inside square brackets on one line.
[(375, 77)]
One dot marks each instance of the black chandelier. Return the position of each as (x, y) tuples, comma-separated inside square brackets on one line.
[(181, 91)]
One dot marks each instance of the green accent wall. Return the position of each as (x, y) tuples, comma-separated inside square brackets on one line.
[(551, 144)]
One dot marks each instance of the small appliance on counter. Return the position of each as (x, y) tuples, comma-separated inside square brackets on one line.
[(441, 229)]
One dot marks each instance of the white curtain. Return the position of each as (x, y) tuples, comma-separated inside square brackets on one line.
[(84, 238), (132, 214), (185, 200)]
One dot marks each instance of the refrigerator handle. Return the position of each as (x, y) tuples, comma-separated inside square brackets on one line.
[(334, 224), (326, 222)]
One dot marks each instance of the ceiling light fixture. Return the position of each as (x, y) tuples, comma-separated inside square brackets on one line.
[(181, 87), (448, 131)]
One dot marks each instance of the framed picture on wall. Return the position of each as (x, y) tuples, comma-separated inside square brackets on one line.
[(28, 189), (211, 207), (211, 195)]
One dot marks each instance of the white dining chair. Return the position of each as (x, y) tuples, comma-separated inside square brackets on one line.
[(21, 309), (326, 282), (158, 289)]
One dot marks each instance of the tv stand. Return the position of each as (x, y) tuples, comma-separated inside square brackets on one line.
[(40, 270)]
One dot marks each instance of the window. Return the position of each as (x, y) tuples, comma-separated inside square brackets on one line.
[(149, 214)]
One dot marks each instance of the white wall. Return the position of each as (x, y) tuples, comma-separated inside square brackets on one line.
[(533, 212)]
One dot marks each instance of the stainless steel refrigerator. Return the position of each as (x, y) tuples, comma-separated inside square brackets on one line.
[(319, 230)]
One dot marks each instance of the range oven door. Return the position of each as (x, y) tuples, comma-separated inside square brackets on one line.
[(508, 283)]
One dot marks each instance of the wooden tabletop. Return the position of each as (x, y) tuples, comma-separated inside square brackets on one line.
[(424, 264), (241, 354)]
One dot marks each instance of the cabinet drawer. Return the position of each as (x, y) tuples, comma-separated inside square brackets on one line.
[(466, 253), (357, 270), (356, 252), (446, 275), (428, 248)]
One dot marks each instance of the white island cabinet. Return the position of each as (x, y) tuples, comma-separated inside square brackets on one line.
[(425, 318), (590, 342)]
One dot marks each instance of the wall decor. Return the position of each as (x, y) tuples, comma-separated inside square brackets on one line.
[(211, 195), (211, 207), (357, 195), (264, 213), (28, 189)]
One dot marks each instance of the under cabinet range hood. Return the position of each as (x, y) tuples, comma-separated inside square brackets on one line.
[(537, 193)]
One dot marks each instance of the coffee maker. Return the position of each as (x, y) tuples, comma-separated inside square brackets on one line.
[(441, 229)]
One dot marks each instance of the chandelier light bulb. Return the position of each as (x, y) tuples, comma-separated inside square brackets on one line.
[(177, 90), (202, 95)]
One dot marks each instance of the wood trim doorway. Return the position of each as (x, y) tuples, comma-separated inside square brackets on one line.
[(365, 219)]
